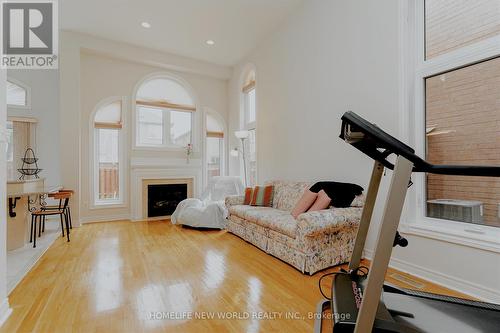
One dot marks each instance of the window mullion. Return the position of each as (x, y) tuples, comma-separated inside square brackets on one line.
[(166, 127)]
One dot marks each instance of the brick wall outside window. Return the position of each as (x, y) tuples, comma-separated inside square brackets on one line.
[(466, 101), (451, 24)]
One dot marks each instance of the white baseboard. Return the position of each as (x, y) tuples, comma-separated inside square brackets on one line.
[(451, 282), (104, 218), (5, 311)]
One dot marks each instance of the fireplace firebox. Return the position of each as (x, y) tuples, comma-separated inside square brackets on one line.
[(164, 198)]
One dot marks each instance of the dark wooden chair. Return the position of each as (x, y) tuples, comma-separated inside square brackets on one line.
[(56, 207), (38, 217)]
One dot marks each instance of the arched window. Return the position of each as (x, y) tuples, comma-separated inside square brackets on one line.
[(108, 154), (164, 114), (215, 146), (250, 124), (17, 94)]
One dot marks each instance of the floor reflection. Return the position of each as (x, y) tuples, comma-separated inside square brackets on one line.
[(107, 276), (215, 270), (253, 303), (156, 303)]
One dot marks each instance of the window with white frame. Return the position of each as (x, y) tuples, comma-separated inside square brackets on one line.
[(457, 114), (214, 146), (250, 121), (108, 154), (17, 95), (164, 114)]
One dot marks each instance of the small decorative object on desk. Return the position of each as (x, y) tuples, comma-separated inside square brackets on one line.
[(30, 166), (189, 151)]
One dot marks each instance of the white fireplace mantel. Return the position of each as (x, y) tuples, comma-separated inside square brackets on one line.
[(157, 168), (164, 163)]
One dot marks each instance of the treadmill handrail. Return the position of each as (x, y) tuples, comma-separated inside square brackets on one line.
[(378, 145)]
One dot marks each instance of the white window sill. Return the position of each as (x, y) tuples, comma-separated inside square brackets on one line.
[(466, 234), (19, 107), (108, 205), (160, 148)]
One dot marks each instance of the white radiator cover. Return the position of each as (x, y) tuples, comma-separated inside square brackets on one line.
[(456, 210)]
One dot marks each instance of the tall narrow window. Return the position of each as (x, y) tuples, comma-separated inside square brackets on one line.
[(250, 124), (108, 173), (215, 147), (164, 114), (461, 108)]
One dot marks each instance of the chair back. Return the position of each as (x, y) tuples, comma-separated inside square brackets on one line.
[(63, 197)]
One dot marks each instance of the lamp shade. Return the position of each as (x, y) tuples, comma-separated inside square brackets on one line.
[(242, 134)]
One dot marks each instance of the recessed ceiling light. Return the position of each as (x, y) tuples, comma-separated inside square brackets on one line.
[(146, 25), (210, 42)]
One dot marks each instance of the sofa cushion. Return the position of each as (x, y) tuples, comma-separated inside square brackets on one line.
[(312, 224), (260, 215), (239, 210), (284, 223), (287, 194)]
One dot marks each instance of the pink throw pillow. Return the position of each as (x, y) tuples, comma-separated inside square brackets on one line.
[(304, 203), (322, 202)]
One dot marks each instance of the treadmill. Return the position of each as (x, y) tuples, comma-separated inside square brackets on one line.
[(362, 303)]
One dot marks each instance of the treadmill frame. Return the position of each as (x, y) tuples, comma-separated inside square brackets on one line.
[(383, 250), (379, 145), (386, 234)]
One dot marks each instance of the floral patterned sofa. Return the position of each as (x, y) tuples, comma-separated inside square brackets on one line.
[(310, 243)]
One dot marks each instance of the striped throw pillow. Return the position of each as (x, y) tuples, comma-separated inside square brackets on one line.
[(262, 196), (248, 196)]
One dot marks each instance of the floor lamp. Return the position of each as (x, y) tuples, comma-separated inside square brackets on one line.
[(243, 135)]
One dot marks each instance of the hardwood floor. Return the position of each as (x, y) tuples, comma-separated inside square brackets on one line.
[(113, 276)]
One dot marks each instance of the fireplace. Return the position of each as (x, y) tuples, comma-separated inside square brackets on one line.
[(164, 198), (161, 196)]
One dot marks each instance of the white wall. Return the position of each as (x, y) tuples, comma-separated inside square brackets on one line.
[(103, 77), (69, 143), (93, 69), (44, 86), (330, 57), (4, 304)]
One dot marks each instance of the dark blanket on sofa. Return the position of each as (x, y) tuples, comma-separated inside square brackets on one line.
[(342, 194)]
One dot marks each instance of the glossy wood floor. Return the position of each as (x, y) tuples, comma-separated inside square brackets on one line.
[(113, 276)]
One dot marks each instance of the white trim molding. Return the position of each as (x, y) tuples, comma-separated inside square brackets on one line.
[(451, 282), (5, 311), (105, 218), (466, 234), (167, 163), (3, 135)]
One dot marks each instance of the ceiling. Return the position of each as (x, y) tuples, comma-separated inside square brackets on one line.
[(180, 26)]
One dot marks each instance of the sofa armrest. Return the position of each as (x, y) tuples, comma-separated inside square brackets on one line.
[(328, 221), (234, 200)]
